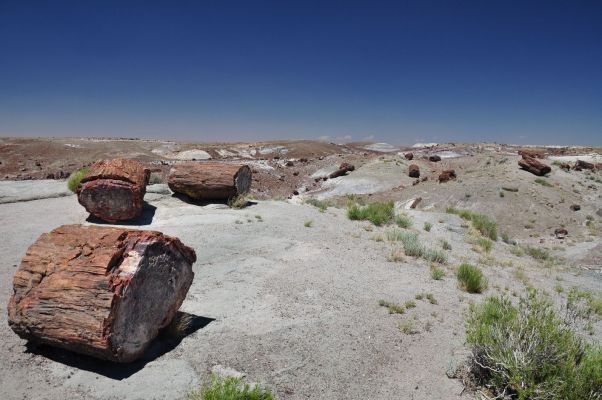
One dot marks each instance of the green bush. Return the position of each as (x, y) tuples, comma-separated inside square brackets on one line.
[(428, 226), (527, 351), (321, 205), (437, 273), (379, 213), (76, 177), (435, 255), (485, 225), (230, 388), (403, 221), (471, 278), (392, 307), (537, 252), (485, 244)]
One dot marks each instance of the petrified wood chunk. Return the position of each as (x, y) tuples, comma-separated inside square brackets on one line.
[(435, 158), (534, 166), (409, 156), (113, 190), (414, 171), (100, 291), (531, 153), (343, 169), (447, 175), (581, 165), (209, 180)]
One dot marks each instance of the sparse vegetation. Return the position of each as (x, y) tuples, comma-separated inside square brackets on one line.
[(485, 244), (537, 252), (392, 307), (379, 213), (321, 205), (230, 388), (435, 255), (445, 244), (308, 224), (395, 255), (377, 237), (408, 327), (410, 304), (437, 273), (428, 226), (431, 298), (75, 178), (155, 178), (485, 225), (527, 351), (543, 182), (403, 221), (471, 278), (238, 201)]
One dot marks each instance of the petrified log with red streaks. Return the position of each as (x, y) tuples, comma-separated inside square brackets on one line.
[(100, 291), (534, 166), (414, 171), (113, 190), (209, 180)]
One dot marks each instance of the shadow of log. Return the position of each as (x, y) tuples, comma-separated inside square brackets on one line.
[(188, 200), (182, 325)]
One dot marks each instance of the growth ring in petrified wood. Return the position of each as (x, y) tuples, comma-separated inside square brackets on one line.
[(100, 291), (209, 180), (113, 190)]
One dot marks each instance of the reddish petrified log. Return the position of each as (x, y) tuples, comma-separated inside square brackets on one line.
[(435, 158), (409, 156), (100, 291), (343, 169), (414, 171), (415, 203), (533, 166), (531, 153), (210, 180), (581, 165), (447, 175), (114, 190)]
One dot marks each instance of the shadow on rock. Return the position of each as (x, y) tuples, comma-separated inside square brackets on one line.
[(189, 200), (182, 325), (145, 218)]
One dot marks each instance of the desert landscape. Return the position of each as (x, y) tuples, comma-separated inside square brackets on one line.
[(345, 271)]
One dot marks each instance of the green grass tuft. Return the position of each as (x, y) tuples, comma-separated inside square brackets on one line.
[(230, 388), (485, 244), (485, 225), (471, 278), (379, 213), (543, 182), (76, 177), (403, 221), (437, 273), (392, 307), (428, 226)]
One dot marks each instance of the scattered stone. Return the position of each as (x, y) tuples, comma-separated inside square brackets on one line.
[(414, 171), (533, 166), (531, 153), (510, 188), (416, 201), (210, 180), (447, 175), (561, 233), (289, 163), (434, 158), (296, 173), (343, 169), (100, 291), (575, 207), (565, 166), (113, 189), (295, 192), (409, 156)]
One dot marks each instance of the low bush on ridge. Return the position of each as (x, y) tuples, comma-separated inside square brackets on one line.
[(471, 278), (485, 225)]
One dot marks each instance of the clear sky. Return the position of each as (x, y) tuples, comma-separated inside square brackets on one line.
[(395, 71)]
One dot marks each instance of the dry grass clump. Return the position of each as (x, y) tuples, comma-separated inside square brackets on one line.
[(392, 307), (527, 351), (238, 201)]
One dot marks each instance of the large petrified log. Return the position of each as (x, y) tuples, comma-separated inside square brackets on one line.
[(534, 166), (447, 175), (209, 180), (100, 291), (113, 190), (414, 171), (343, 169)]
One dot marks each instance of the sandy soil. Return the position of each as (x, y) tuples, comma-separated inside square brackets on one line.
[(296, 308)]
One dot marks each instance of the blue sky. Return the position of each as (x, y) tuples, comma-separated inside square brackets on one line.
[(395, 71)]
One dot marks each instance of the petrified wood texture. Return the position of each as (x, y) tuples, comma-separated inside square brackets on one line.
[(100, 291), (114, 190), (533, 166), (414, 171), (209, 180)]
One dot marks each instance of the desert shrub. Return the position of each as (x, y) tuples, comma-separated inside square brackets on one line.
[(395, 235), (527, 351), (471, 278), (76, 177), (537, 252), (230, 388), (379, 213), (238, 201), (411, 246), (403, 221), (321, 205), (308, 224), (435, 255), (582, 305), (485, 225), (392, 307), (395, 255), (437, 273), (485, 244), (155, 177), (543, 182), (446, 246), (428, 226)]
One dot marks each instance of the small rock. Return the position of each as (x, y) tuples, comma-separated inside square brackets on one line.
[(416, 202), (414, 171), (447, 175), (289, 163), (575, 207), (434, 158), (295, 173), (510, 188), (409, 156), (561, 233), (296, 192)]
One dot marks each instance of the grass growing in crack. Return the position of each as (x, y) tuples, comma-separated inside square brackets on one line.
[(543, 182), (379, 213), (428, 226), (485, 244), (437, 273), (471, 278), (76, 177), (238, 201), (308, 224), (392, 307), (485, 225), (527, 351), (230, 388), (403, 221)]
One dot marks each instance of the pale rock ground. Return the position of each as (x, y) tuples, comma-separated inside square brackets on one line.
[(296, 308)]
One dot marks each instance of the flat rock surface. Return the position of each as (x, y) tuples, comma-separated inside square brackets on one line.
[(15, 191)]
